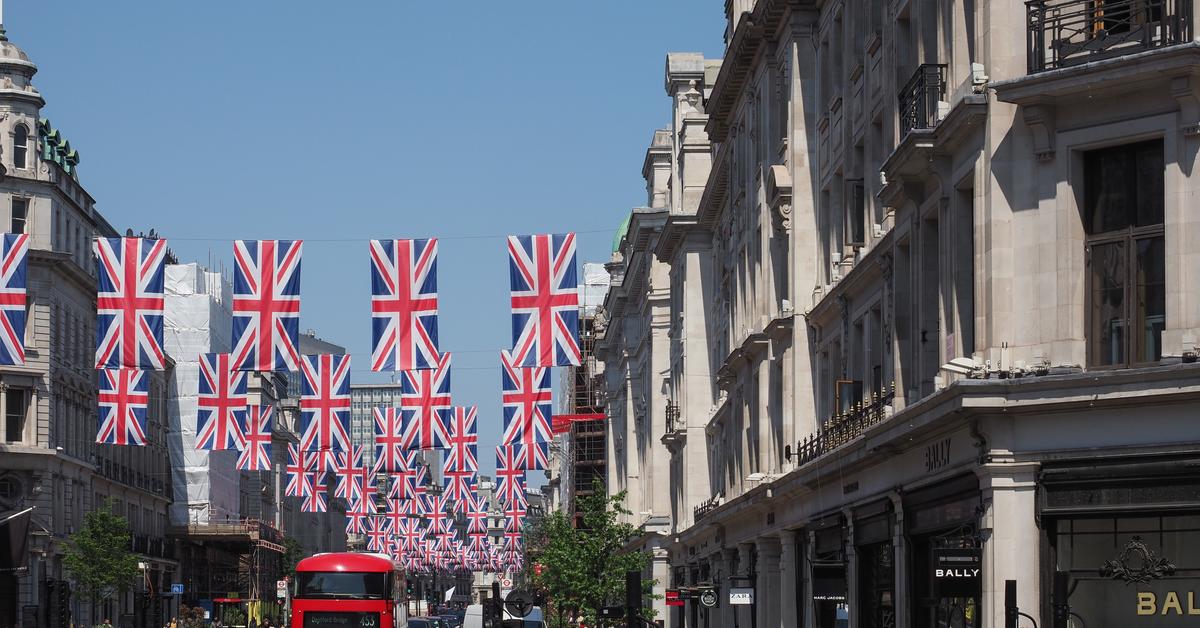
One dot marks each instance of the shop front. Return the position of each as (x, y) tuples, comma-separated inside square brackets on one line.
[(941, 525), (1123, 542)]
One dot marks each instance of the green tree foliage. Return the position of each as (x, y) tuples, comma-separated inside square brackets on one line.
[(191, 617), (292, 554), (99, 557), (583, 569)]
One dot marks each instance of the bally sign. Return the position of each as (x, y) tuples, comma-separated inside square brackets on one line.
[(956, 572)]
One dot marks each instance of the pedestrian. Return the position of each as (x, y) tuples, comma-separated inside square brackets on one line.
[(107, 622)]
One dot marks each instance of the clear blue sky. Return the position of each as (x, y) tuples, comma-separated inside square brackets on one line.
[(215, 120)]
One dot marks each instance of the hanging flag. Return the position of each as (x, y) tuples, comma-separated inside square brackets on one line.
[(356, 516), (124, 398), (266, 305), (220, 404), (378, 534), (532, 456), (477, 515), (514, 516), (510, 477), (14, 264), (298, 478), (129, 302), (464, 440), (404, 477), (255, 427), (404, 305), (314, 500), (437, 513), (545, 300), (390, 454), (325, 403), (456, 486), (526, 398), (352, 474), (425, 400)]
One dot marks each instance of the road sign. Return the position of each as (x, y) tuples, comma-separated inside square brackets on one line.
[(673, 598), (741, 595), (506, 582), (177, 588), (708, 598), (519, 603), (281, 589), (612, 612)]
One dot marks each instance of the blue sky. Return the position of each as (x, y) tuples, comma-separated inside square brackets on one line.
[(336, 122)]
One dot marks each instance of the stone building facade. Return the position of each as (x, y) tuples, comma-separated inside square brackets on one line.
[(48, 456), (928, 322)]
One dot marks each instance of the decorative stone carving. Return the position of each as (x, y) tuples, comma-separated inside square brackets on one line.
[(779, 196), (1040, 120), (1136, 563), (1184, 89)]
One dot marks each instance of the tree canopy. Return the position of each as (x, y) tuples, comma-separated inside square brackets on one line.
[(99, 557), (583, 568)]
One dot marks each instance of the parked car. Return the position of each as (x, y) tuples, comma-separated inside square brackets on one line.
[(474, 618), (427, 622)]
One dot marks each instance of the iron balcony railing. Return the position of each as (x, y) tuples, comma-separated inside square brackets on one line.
[(919, 98), (674, 420), (1062, 33), (705, 507), (843, 428)]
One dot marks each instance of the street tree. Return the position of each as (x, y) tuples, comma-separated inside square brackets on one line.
[(99, 557), (582, 568)]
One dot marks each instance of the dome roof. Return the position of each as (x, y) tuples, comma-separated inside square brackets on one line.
[(9, 50)]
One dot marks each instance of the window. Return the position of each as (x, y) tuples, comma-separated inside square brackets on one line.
[(856, 207), (1126, 254), (20, 146), (15, 403), (20, 212)]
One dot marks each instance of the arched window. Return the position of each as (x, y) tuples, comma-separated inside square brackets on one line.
[(20, 146)]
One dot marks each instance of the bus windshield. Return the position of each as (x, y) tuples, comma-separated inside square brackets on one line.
[(342, 584)]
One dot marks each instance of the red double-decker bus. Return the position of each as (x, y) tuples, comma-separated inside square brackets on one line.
[(348, 590)]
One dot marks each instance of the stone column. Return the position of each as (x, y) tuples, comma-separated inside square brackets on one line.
[(661, 572), (727, 616), (744, 614), (1010, 538), (766, 586), (788, 598), (900, 595)]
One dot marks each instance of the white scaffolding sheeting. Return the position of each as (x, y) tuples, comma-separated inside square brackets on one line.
[(197, 319), (592, 288)]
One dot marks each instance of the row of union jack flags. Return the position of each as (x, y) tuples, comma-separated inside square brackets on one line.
[(266, 305)]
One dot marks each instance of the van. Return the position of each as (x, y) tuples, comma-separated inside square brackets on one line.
[(474, 618)]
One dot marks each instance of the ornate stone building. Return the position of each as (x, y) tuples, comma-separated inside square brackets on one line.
[(929, 323), (49, 460)]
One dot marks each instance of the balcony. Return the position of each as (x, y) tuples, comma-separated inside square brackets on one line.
[(920, 98), (1063, 33), (676, 431), (843, 428)]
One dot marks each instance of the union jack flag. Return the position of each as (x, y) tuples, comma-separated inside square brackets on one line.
[(545, 299), (464, 440), (266, 305), (124, 397), (404, 304), (395, 512), (321, 460), (314, 500), (129, 302), (357, 514), (405, 478), (510, 477), (298, 477), (514, 516), (527, 398), (255, 426), (456, 486), (13, 272), (390, 454), (325, 402), (378, 534), (409, 534), (477, 515), (533, 456), (352, 474), (425, 399), (221, 404)]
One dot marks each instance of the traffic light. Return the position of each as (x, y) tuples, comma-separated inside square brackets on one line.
[(408, 587)]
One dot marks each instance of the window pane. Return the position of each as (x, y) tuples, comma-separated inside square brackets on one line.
[(1151, 297), (1150, 184), (1107, 193), (1108, 275)]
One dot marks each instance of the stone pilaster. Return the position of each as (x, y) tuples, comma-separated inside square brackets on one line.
[(1010, 538), (766, 585), (788, 564)]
